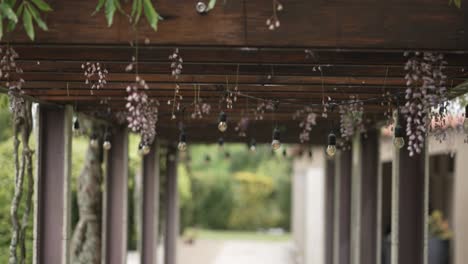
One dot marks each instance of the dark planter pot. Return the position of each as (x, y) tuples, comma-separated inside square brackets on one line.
[(438, 251)]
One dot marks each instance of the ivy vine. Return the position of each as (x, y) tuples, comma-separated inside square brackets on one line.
[(138, 8), (29, 11)]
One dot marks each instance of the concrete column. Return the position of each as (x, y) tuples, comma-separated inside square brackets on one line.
[(52, 195), (356, 198), (329, 208), (369, 170), (150, 210), (409, 208), (115, 199), (172, 208), (342, 208)]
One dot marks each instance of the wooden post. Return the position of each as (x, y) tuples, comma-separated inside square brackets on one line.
[(115, 199), (409, 208), (150, 212), (52, 186), (172, 208), (342, 212), (329, 207), (356, 187), (369, 170)]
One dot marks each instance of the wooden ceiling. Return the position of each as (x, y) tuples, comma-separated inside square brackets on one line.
[(357, 44)]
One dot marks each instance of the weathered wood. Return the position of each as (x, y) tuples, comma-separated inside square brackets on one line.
[(150, 218), (116, 195), (52, 186), (172, 207)]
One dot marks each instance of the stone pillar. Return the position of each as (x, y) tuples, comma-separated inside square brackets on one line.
[(409, 208), (172, 208), (342, 208), (52, 196), (369, 186), (150, 187), (115, 199), (356, 199)]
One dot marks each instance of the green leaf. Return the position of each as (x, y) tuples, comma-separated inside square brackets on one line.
[(11, 24), (8, 12), (211, 4), (28, 24), (42, 5), (151, 15), (99, 6), (1, 29), (37, 17), (140, 10), (110, 11)]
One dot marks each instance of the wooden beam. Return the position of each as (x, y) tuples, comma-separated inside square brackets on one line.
[(52, 205), (150, 218), (116, 196), (172, 207)]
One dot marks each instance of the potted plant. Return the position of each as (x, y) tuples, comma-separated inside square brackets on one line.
[(439, 238)]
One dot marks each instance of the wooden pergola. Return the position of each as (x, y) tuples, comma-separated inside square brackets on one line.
[(321, 49)]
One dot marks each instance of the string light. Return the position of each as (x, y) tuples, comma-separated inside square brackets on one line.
[(253, 145), (331, 148), (275, 143), (94, 143), (222, 125), (399, 140), (143, 149), (465, 124), (107, 144), (221, 142), (182, 146)]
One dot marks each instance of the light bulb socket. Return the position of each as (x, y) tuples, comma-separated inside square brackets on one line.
[(276, 134), (332, 139), (93, 136), (107, 137), (253, 142), (399, 132), (76, 124), (466, 111), (183, 137), (285, 153), (221, 141), (222, 117)]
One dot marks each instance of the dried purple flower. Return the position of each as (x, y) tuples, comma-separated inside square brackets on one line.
[(309, 119), (95, 75)]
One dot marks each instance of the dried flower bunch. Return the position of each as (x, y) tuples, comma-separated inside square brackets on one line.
[(262, 107), (142, 111), (308, 120), (95, 75), (326, 106), (242, 126), (176, 71), (351, 120), (199, 108), (425, 83), (273, 22), (10, 74), (387, 102)]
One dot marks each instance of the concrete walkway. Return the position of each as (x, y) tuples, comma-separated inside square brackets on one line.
[(230, 252)]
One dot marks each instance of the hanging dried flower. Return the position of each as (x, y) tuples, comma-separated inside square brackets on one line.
[(261, 107), (95, 75), (308, 120), (10, 74), (273, 22), (142, 111), (199, 108), (242, 126), (176, 71), (351, 120), (326, 106), (425, 83)]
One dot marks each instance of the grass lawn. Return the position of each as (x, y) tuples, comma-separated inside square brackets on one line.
[(238, 235)]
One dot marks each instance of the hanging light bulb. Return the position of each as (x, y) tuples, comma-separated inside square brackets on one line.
[(275, 143), (76, 126), (222, 125), (182, 146), (143, 149), (331, 148), (465, 124), (94, 141), (398, 140), (253, 145), (221, 142), (107, 144)]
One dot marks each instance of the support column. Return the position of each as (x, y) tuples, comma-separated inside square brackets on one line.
[(115, 199), (329, 207), (342, 210), (52, 187), (172, 208), (409, 208), (356, 198), (150, 211), (369, 170)]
